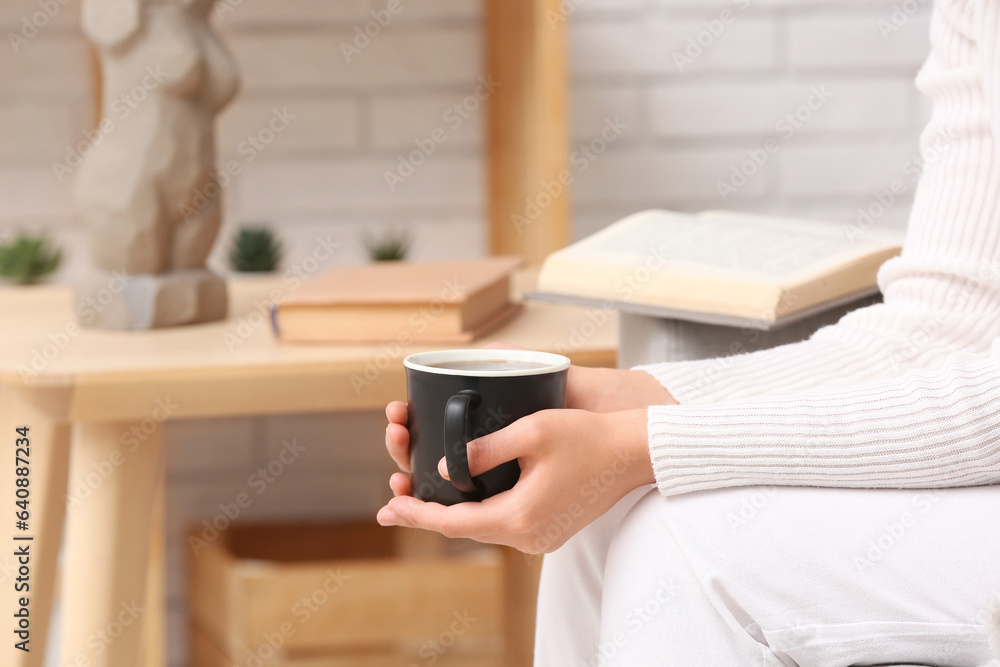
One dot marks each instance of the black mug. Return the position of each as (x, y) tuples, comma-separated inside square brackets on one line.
[(455, 396)]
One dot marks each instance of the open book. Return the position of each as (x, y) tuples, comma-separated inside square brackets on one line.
[(717, 267)]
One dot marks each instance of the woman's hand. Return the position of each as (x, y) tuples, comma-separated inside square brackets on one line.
[(574, 466), (397, 438), (592, 389), (572, 447), (613, 390), (607, 389)]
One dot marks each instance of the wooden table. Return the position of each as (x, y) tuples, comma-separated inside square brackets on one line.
[(95, 397)]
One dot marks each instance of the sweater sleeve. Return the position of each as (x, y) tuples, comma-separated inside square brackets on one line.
[(942, 295), (878, 342), (928, 428)]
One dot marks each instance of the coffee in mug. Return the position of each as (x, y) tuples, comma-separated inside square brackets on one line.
[(455, 396)]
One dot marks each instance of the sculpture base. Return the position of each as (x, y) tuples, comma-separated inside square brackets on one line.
[(118, 301)]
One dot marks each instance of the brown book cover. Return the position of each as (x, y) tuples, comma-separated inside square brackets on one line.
[(453, 301)]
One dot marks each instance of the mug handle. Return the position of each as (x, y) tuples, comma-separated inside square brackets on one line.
[(456, 438)]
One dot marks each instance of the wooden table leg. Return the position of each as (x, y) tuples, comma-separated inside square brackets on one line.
[(49, 454), (154, 641), (521, 574), (105, 606)]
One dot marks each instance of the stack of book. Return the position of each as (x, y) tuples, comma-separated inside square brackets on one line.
[(442, 302)]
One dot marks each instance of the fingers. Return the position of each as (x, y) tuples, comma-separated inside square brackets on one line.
[(577, 387), (397, 436), (507, 444), (397, 442), (396, 413), (387, 517), (400, 484), (475, 520)]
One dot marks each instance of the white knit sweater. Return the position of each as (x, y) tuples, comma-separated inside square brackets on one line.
[(902, 394)]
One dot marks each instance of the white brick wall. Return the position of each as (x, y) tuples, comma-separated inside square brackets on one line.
[(844, 39), (688, 123), (701, 83), (705, 109)]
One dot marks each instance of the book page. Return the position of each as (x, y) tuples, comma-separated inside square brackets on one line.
[(763, 247), (723, 263)]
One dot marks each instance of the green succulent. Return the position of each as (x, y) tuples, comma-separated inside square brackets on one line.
[(27, 258), (255, 248), (390, 245)]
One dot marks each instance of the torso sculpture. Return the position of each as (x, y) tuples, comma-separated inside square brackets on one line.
[(146, 191)]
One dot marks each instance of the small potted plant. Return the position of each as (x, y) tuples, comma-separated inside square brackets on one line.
[(255, 249), (388, 246), (27, 258)]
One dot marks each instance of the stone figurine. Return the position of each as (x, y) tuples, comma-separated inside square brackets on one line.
[(146, 189)]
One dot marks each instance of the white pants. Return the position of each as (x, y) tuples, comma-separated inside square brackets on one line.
[(763, 576)]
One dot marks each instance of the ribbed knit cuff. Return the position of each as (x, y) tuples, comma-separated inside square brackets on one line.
[(869, 344), (774, 371), (835, 355), (929, 429)]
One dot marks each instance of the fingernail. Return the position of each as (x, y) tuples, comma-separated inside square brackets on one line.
[(443, 469), (387, 517)]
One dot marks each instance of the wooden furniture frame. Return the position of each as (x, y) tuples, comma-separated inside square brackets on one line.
[(91, 390), (528, 134), (84, 392)]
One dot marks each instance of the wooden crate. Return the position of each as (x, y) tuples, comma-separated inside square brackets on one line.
[(340, 595)]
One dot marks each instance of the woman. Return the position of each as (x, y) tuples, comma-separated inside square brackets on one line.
[(822, 503)]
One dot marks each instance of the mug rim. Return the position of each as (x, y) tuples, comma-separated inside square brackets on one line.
[(421, 361)]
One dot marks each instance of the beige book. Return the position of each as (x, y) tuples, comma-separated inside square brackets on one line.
[(400, 301), (717, 267)]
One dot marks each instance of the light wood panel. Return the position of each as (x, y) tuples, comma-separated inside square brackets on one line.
[(153, 642), (49, 462), (108, 547), (366, 593), (521, 576), (205, 653), (527, 128)]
